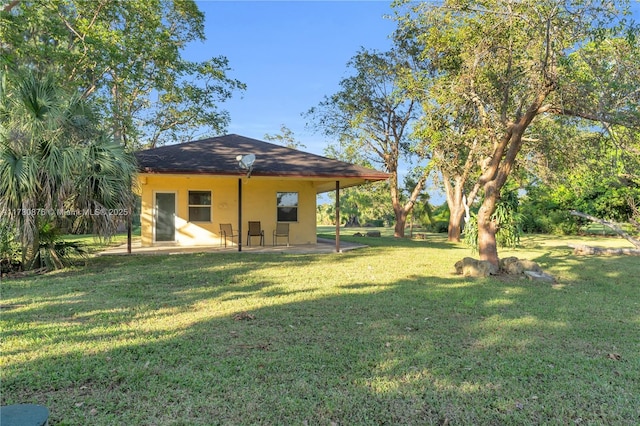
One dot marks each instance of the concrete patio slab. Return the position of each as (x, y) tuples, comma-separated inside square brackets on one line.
[(322, 246)]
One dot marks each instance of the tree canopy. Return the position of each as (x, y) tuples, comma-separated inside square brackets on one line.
[(371, 117), (285, 138), (56, 161), (491, 71), (127, 56), (84, 82)]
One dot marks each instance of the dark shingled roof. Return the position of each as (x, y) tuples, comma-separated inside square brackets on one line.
[(217, 156)]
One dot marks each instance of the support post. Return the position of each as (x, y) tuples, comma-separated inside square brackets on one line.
[(129, 232), (129, 224), (337, 216), (239, 214)]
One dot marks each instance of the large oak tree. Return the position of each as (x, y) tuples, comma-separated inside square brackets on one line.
[(504, 65)]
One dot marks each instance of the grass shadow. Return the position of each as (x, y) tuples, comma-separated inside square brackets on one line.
[(388, 336)]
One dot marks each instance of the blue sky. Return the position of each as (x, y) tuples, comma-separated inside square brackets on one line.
[(290, 54)]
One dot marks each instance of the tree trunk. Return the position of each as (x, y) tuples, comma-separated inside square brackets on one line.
[(30, 252), (30, 243), (495, 176), (456, 203), (402, 211), (455, 222), (401, 220), (352, 222), (10, 6), (487, 246)]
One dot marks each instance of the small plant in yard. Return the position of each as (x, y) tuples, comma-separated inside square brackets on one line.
[(54, 251), (507, 219), (382, 335), (9, 249), (470, 233)]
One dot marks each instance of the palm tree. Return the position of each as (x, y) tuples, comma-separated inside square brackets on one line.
[(54, 158), (103, 185)]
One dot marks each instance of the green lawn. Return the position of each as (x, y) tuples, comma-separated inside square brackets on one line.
[(383, 335)]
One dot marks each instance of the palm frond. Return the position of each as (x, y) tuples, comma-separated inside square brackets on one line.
[(53, 156)]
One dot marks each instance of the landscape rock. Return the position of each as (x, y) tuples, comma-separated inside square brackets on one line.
[(530, 265), (581, 250), (470, 267), (539, 276), (507, 260), (460, 264), (373, 233), (511, 265), (514, 266)]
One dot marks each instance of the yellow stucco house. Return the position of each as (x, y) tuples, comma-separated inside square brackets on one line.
[(189, 190)]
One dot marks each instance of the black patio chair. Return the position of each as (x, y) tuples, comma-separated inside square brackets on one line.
[(255, 230)]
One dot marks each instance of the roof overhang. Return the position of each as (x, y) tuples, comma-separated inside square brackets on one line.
[(321, 183), (218, 157)]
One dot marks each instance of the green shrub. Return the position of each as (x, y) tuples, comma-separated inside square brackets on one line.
[(470, 233), (508, 220), (54, 252), (437, 226), (9, 248)]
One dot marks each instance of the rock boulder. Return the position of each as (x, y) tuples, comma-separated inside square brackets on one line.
[(470, 267)]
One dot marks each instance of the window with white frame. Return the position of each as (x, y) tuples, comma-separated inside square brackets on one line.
[(287, 203), (199, 206)]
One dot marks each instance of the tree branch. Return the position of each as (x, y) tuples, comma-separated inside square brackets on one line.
[(616, 228), (586, 250), (10, 6), (551, 109)]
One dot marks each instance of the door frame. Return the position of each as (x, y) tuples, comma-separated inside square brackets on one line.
[(155, 216)]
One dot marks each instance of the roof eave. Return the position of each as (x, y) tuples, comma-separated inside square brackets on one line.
[(325, 182), (365, 176)]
